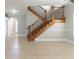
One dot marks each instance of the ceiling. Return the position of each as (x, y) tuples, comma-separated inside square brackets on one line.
[(21, 5)]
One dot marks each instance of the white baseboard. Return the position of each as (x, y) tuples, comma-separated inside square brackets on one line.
[(21, 35), (69, 41), (50, 39), (55, 40)]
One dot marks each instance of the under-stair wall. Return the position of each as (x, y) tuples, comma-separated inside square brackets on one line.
[(54, 33)]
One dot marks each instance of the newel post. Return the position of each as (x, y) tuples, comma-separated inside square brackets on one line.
[(45, 15), (63, 16), (29, 30), (53, 14)]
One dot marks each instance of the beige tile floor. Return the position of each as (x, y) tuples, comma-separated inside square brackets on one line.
[(20, 48)]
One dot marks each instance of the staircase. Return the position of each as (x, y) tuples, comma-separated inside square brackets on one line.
[(47, 18)]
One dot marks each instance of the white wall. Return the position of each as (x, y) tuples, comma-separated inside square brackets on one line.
[(55, 32), (69, 10), (21, 25)]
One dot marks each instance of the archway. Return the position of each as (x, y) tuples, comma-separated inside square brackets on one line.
[(12, 26)]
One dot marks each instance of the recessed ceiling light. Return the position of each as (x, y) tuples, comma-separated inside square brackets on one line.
[(13, 11)]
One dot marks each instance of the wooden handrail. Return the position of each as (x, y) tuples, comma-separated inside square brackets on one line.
[(42, 8)]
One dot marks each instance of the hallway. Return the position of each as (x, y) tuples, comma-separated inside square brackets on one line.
[(19, 48)]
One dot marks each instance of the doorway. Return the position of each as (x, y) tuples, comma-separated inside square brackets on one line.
[(12, 27)]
